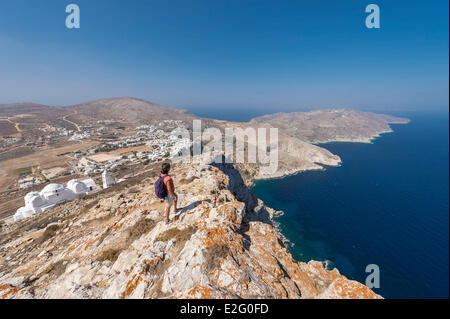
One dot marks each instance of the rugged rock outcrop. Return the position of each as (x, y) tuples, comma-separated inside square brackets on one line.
[(222, 243)]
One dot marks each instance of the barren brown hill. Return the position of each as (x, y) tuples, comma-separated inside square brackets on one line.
[(30, 116), (128, 110), (122, 111), (17, 108)]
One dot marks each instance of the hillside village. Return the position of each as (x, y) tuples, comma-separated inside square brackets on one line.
[(157, 144), (161, 145)]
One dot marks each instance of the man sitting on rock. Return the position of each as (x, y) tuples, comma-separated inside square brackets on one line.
[(168, 193)]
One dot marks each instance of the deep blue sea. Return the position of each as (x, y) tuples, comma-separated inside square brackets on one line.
[(386, 205)]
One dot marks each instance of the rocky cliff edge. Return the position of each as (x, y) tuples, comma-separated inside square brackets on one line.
[(223, 243)]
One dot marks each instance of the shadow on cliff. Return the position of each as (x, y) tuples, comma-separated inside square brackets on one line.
[(237, 187), (189, 207), (253, 211)]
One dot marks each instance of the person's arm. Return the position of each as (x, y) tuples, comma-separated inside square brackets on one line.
[(171, 188)]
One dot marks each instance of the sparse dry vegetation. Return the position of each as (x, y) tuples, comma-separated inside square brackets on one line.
[(140, 228), (188, 180), (133, 190), (55, 269), (49, 232), (213, 257), (110, 254), (143, 226), (23, 171), (182, 235)]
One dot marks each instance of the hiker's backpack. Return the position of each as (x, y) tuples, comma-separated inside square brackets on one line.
[(160, 188)]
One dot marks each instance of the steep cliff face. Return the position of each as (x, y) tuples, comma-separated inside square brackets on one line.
[(221, 244)]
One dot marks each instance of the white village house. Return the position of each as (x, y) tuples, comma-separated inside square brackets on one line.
[(107, 179), (52, 194)]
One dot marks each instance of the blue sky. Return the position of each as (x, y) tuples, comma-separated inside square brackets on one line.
[(274, 55)]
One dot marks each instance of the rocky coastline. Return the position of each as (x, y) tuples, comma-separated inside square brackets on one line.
[(222, 244)]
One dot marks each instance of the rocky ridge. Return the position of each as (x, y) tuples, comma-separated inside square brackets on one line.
[(223, 243)]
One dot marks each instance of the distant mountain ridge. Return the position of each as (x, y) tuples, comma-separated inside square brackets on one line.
[(14, 108), (132, 110), (127, 109), (345, 125)]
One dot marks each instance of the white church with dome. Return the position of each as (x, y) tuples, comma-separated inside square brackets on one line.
[(52, 194)]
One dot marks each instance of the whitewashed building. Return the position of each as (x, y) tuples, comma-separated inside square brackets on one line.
[(77, 187), (90, 184), (108, 180), (52, 194), (56, 193)]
